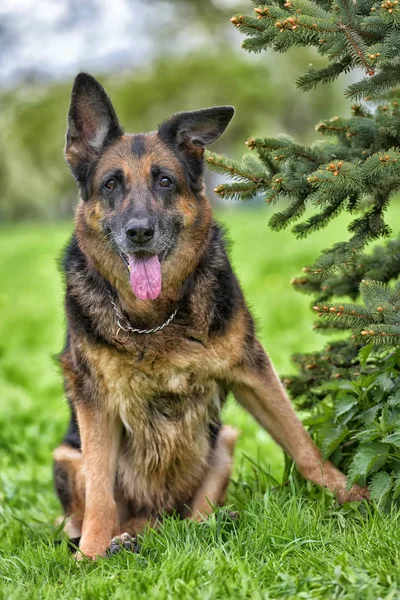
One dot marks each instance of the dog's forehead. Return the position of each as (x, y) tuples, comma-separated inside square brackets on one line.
[(136, 154)]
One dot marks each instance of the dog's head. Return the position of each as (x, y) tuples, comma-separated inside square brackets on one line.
[(142, 192)]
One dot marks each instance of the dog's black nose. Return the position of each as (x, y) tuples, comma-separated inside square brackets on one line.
[(140, 231)]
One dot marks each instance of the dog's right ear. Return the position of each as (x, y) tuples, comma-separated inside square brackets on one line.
[(92, 124)]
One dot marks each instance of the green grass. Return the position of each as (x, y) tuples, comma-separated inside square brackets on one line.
[(285, 544)]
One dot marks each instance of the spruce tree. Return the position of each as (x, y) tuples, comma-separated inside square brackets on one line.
[(352, 387)]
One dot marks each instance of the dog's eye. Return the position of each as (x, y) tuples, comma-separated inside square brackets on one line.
[(110, 184), (165, 182)]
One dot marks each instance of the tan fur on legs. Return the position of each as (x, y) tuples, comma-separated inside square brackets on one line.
[(262, 394), (71, 460), (213, 489), (100, 435)]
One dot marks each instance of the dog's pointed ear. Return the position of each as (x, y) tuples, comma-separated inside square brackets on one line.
[(92, 123), (194, 130)]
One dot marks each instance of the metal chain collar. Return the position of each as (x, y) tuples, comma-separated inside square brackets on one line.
[(125, 326)]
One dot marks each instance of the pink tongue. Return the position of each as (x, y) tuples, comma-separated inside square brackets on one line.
[(145, 276)]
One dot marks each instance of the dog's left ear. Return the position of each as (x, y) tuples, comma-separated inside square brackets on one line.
[(92, 123), (191, 131)]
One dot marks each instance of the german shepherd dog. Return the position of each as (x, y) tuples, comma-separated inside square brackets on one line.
[(158, 333)]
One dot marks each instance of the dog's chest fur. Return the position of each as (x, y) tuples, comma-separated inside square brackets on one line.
[(166, 412)]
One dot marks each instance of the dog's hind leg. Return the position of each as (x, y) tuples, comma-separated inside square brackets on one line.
[(69, 480), (135, 525), (213, 488)]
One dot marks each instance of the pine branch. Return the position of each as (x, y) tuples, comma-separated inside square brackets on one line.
[(245, 170), (354, 35), (378, 320), (387, 78), (357, 47), (320, 220), (313, 76), (238, 191), (383, 265), (280, 220)]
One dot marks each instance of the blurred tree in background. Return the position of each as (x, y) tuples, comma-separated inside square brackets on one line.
[(190, 66), (353, 390)]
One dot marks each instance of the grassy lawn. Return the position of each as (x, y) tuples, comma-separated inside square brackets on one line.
[(284, 545)]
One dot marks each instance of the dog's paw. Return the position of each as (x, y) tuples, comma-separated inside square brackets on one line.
[(89, 552), (356, 492), (87, 555), (233, 515), (122, 542)]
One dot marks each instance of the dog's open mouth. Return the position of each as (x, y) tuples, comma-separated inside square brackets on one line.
[(144, 275)]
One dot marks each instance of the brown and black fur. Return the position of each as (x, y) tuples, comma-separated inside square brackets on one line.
[(145, 435)]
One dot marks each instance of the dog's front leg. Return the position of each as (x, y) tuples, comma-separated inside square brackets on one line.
[(257, 387), (100, 435)]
